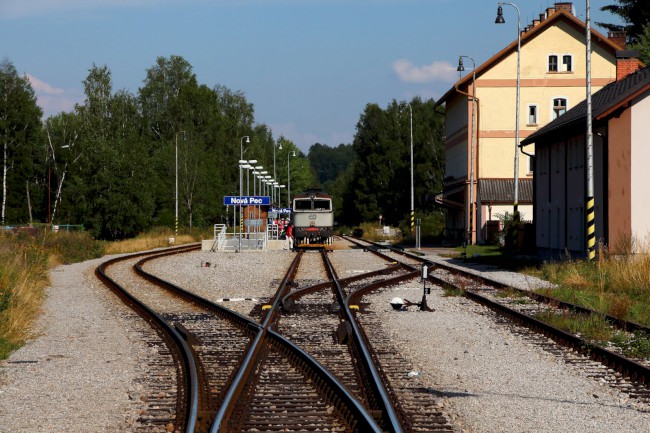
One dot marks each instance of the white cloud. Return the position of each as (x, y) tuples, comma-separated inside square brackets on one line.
[(42, 87), (436, 71), (54, 100)]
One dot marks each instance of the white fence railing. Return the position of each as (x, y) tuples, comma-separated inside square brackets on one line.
[(220, 237)]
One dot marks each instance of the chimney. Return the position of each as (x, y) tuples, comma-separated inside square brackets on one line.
[(549, 12), (564, 6), (535, 23), (618, 38), (626, 63)]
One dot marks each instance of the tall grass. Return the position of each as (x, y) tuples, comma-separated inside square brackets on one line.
[(24, 262), (26, 257), (617, 285), (156, 238), (23, 275)]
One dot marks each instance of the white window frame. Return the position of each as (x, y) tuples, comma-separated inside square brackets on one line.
[(536, 122), (560, 66), (566, 107)]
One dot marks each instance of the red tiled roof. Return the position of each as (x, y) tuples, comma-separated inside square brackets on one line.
[(525, 37)]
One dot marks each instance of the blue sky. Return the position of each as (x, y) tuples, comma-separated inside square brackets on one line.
[(308, 66)]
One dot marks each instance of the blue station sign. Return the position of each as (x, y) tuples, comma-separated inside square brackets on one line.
[(281, 210), (230, 200)]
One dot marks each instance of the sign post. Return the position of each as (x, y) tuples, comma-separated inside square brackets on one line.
[(239, 201), (426, 290)]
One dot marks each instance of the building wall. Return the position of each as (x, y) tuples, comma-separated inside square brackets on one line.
[(496, 92), (539, 87), (560, 182), (456, 150), (640, 200), (619, 188)]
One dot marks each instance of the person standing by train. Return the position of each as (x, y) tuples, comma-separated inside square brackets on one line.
[(289, 235)]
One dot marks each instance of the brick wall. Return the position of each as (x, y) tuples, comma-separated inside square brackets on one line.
[(625, 67)]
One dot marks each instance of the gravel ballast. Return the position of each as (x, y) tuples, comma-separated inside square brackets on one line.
[(492, 380)]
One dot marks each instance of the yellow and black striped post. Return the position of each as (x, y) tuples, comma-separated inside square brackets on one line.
[(591, 229), (412, 219), (176, 227)]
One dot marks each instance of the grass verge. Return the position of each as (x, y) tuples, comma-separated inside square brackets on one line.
[(157, 238), (25, 258)]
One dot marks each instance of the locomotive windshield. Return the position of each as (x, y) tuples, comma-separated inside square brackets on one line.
[(302, 204), (308, 204), (322, 204)]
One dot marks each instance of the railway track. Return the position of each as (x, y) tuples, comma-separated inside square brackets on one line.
[(626, 375), (272, 383)]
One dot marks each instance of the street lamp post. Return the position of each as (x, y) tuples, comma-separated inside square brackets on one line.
[(292, 153), (176, 205), (280, 195), (241, 181), (461, 68), (275, 176), (501, 20), (276, 195), (412, 183)]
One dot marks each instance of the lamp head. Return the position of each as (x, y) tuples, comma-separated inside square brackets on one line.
[(248, 140), (460, 67), (500, 19)]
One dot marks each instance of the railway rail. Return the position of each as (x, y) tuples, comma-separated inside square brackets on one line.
[(273, 359), (627, 375)]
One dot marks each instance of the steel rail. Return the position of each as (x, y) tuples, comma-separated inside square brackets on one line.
[(189, 400), (288, 299), (623, 324), (626, 366), (365, 422), (388, 412)]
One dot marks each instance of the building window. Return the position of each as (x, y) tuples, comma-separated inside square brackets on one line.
[(559, 107), (552, 63), (531, 164), (567, 63), (532, 114)]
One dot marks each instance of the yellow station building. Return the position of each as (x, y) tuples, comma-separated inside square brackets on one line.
[(552, 80)]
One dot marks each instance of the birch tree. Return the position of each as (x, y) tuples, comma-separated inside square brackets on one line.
[(19, 133), (62, 133)]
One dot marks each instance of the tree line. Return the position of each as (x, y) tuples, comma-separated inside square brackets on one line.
[(111, 163)]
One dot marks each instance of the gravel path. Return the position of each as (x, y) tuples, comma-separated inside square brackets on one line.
[(493, 380), (64, 379)]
